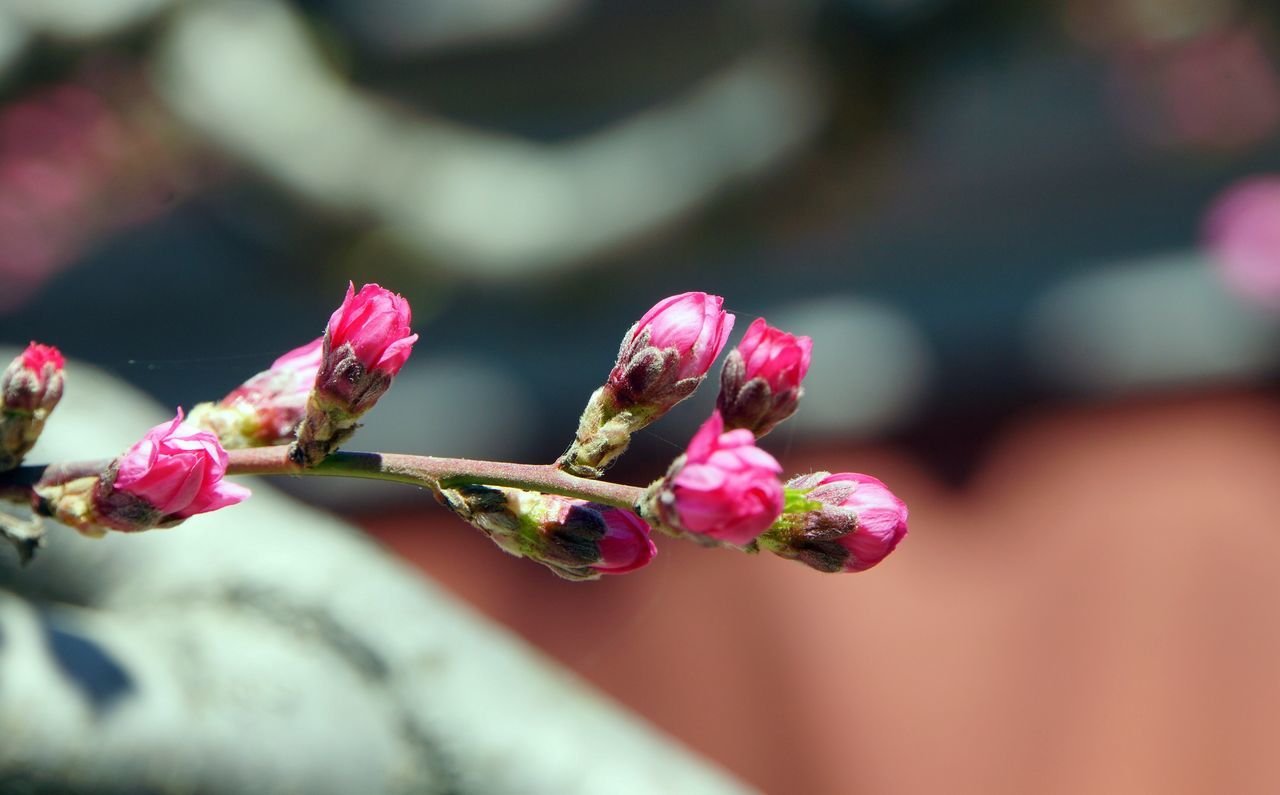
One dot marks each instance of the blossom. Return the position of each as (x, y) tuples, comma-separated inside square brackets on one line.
[(671, 348), (174, 472), (33, 380), (842, 522), (663, 359), (30, 388), (266, 409), (365, 344), (723, 487), (626, 545), (760, 383), (375, 324)]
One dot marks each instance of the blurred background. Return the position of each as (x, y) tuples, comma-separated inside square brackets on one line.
[(1036, 245)]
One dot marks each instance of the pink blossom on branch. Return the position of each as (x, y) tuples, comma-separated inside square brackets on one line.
[(760, 383), (842, 522), (626, 545), (266, 409), (663, 359), (723, 488), (375, 324), (367, 341), (176, 471), (30, 388), (670, 349)]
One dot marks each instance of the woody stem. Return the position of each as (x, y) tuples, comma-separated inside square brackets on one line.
[(436, 473)]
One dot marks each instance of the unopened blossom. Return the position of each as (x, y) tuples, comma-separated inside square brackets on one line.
[(174, 472), (367, 341), (576, 539), (30, 388), (842, 522), (760, 384), (723, 488), (662, 360), (266, 409)]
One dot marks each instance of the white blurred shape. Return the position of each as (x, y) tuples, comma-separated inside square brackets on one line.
[(408, 26), (1160, 322), (83, 18), (870, 366), (13, 39), (486, 204)]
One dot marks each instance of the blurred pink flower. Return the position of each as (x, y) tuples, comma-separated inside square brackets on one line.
[(1242, 234), (275, 399)]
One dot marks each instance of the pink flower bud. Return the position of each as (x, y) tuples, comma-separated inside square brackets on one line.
[(576, 539), (266, 409), (174, 472), (845, 522), (30, 388), (366, 343), (668, 352), (662, 360), (723, 488), (760, 383), (375, 323), (33, 380), (626, 545)]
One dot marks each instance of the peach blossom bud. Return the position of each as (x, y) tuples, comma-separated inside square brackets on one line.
[(30, 388), (760, 383), (175, 472), (576, 539), (723, 488), (841, 522), (365, 344), (663, 359), (266, 409)]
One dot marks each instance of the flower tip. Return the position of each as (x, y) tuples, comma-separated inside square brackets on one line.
[(37, 355)]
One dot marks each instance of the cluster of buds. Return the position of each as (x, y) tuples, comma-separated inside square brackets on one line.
[(723, 491), (576, 539), (30, 388), (176, 471)]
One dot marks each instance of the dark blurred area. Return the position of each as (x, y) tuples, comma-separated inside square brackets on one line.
[(990, 216)]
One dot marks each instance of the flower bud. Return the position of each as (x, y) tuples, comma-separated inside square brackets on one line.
[(723, 489), (760, 382), (840, 522), (576, 539), (30, 388), (266, 409), (365, 344), (175, 472), (663, 358)]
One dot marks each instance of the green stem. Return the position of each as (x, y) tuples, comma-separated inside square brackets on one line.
[(436, 473)]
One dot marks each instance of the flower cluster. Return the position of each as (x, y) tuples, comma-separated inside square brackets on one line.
[(291, 418)]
